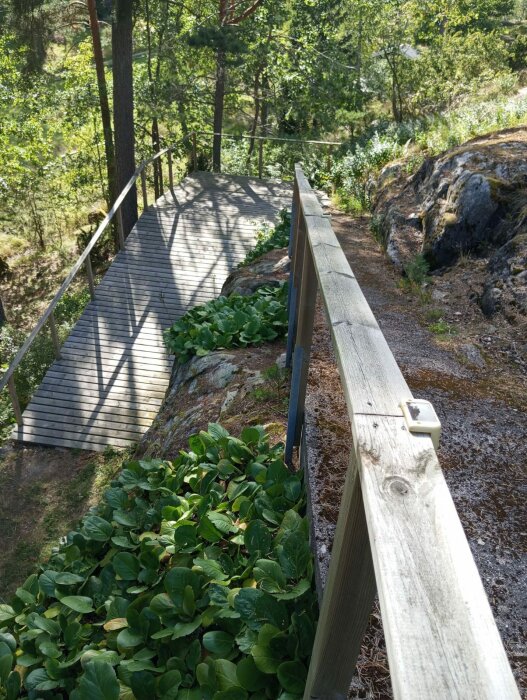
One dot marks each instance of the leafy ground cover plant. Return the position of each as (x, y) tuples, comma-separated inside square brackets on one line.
[(229, 322), (270, 238), (192, 580)]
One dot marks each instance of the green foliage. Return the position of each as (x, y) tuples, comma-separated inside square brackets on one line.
[(191, 580), (229, 322), (269, 238), (416, 270)]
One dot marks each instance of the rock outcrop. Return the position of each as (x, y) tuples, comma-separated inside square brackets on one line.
[(468, 201)]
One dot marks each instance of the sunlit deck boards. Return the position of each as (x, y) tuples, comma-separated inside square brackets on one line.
[(108, 386)]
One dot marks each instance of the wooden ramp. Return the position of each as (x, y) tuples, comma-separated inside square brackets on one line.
[(114, 370)]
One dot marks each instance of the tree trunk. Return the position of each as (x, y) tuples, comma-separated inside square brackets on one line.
[(111, 194), (3, 317), (219, 99), (254, 125), (123, 107)]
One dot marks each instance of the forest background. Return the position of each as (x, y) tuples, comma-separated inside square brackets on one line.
[(386, 78)]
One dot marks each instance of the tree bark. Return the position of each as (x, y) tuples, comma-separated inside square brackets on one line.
[(219, 99), (3, 317), (106, 119), (123, 107)]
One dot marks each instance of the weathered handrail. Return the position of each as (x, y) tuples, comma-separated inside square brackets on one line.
[(398, 530)]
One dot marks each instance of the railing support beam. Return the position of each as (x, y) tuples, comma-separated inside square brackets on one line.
[(120, 229), (54, 336), (14, 400), (347, 599), (170, 171), (89, 275), (194, 152), (260, 158), (144, 190)]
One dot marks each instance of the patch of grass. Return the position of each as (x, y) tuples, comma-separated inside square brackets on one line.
[(270, 238), (275, 390), (434, 314), (442, 328), (53, 496)]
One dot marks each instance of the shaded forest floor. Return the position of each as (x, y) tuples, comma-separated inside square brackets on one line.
[(482, 409)]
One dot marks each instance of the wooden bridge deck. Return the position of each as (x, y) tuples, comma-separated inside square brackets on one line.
[(114, 370)]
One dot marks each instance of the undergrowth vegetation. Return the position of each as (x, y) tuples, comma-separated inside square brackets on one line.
[(192, 580), (354, 172), (270, 237), (229, 322)]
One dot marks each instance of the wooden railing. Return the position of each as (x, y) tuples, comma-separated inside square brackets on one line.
[(398, 532)]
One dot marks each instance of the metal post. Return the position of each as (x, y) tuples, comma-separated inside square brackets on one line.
[(120, 228), (194, 152), (295, 275), (143, 187), (14, 400), (54, 336), (170, 171), (260, 158), (89, 274)]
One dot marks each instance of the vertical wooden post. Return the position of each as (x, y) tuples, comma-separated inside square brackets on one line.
[(304, 334), (54, 335), (14, 400), (260, 158), (329, 161), (170, 171), (119, 215), (161, 187), (194, 152), (89, 274), (347, 600), (143, 188)]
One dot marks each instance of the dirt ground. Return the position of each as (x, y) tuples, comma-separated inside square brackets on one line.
[(482, 409)]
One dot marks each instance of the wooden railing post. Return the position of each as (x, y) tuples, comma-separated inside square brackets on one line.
[(161, 187), (120, 229), (143, 188), (194, 152), (54, 336), (347, 599), (14, 400), (89, 274), (260, 158), (170, 171)]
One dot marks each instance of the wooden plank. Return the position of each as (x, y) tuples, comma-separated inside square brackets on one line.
[(108, 383), (70, 425), (90, 364), (31, 433), (115, 419), (88, 399), (441, 637)]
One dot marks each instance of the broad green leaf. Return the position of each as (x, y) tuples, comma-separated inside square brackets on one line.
[(79, 603), (258, 538), (99, 682), (126, 566), (249, 676), (218, 642), (265, 659), (226, 674), (96, 528), (292, 676)]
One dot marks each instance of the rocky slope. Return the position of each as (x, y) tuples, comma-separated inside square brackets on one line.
[(467, 203)]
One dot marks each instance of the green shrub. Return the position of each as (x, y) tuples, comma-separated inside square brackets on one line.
[(192, 580), (228, 322), (416, 270), (270, 238)]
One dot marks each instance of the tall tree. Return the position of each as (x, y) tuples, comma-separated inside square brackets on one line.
[(229, 15), (123, 106), (103, 101)]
